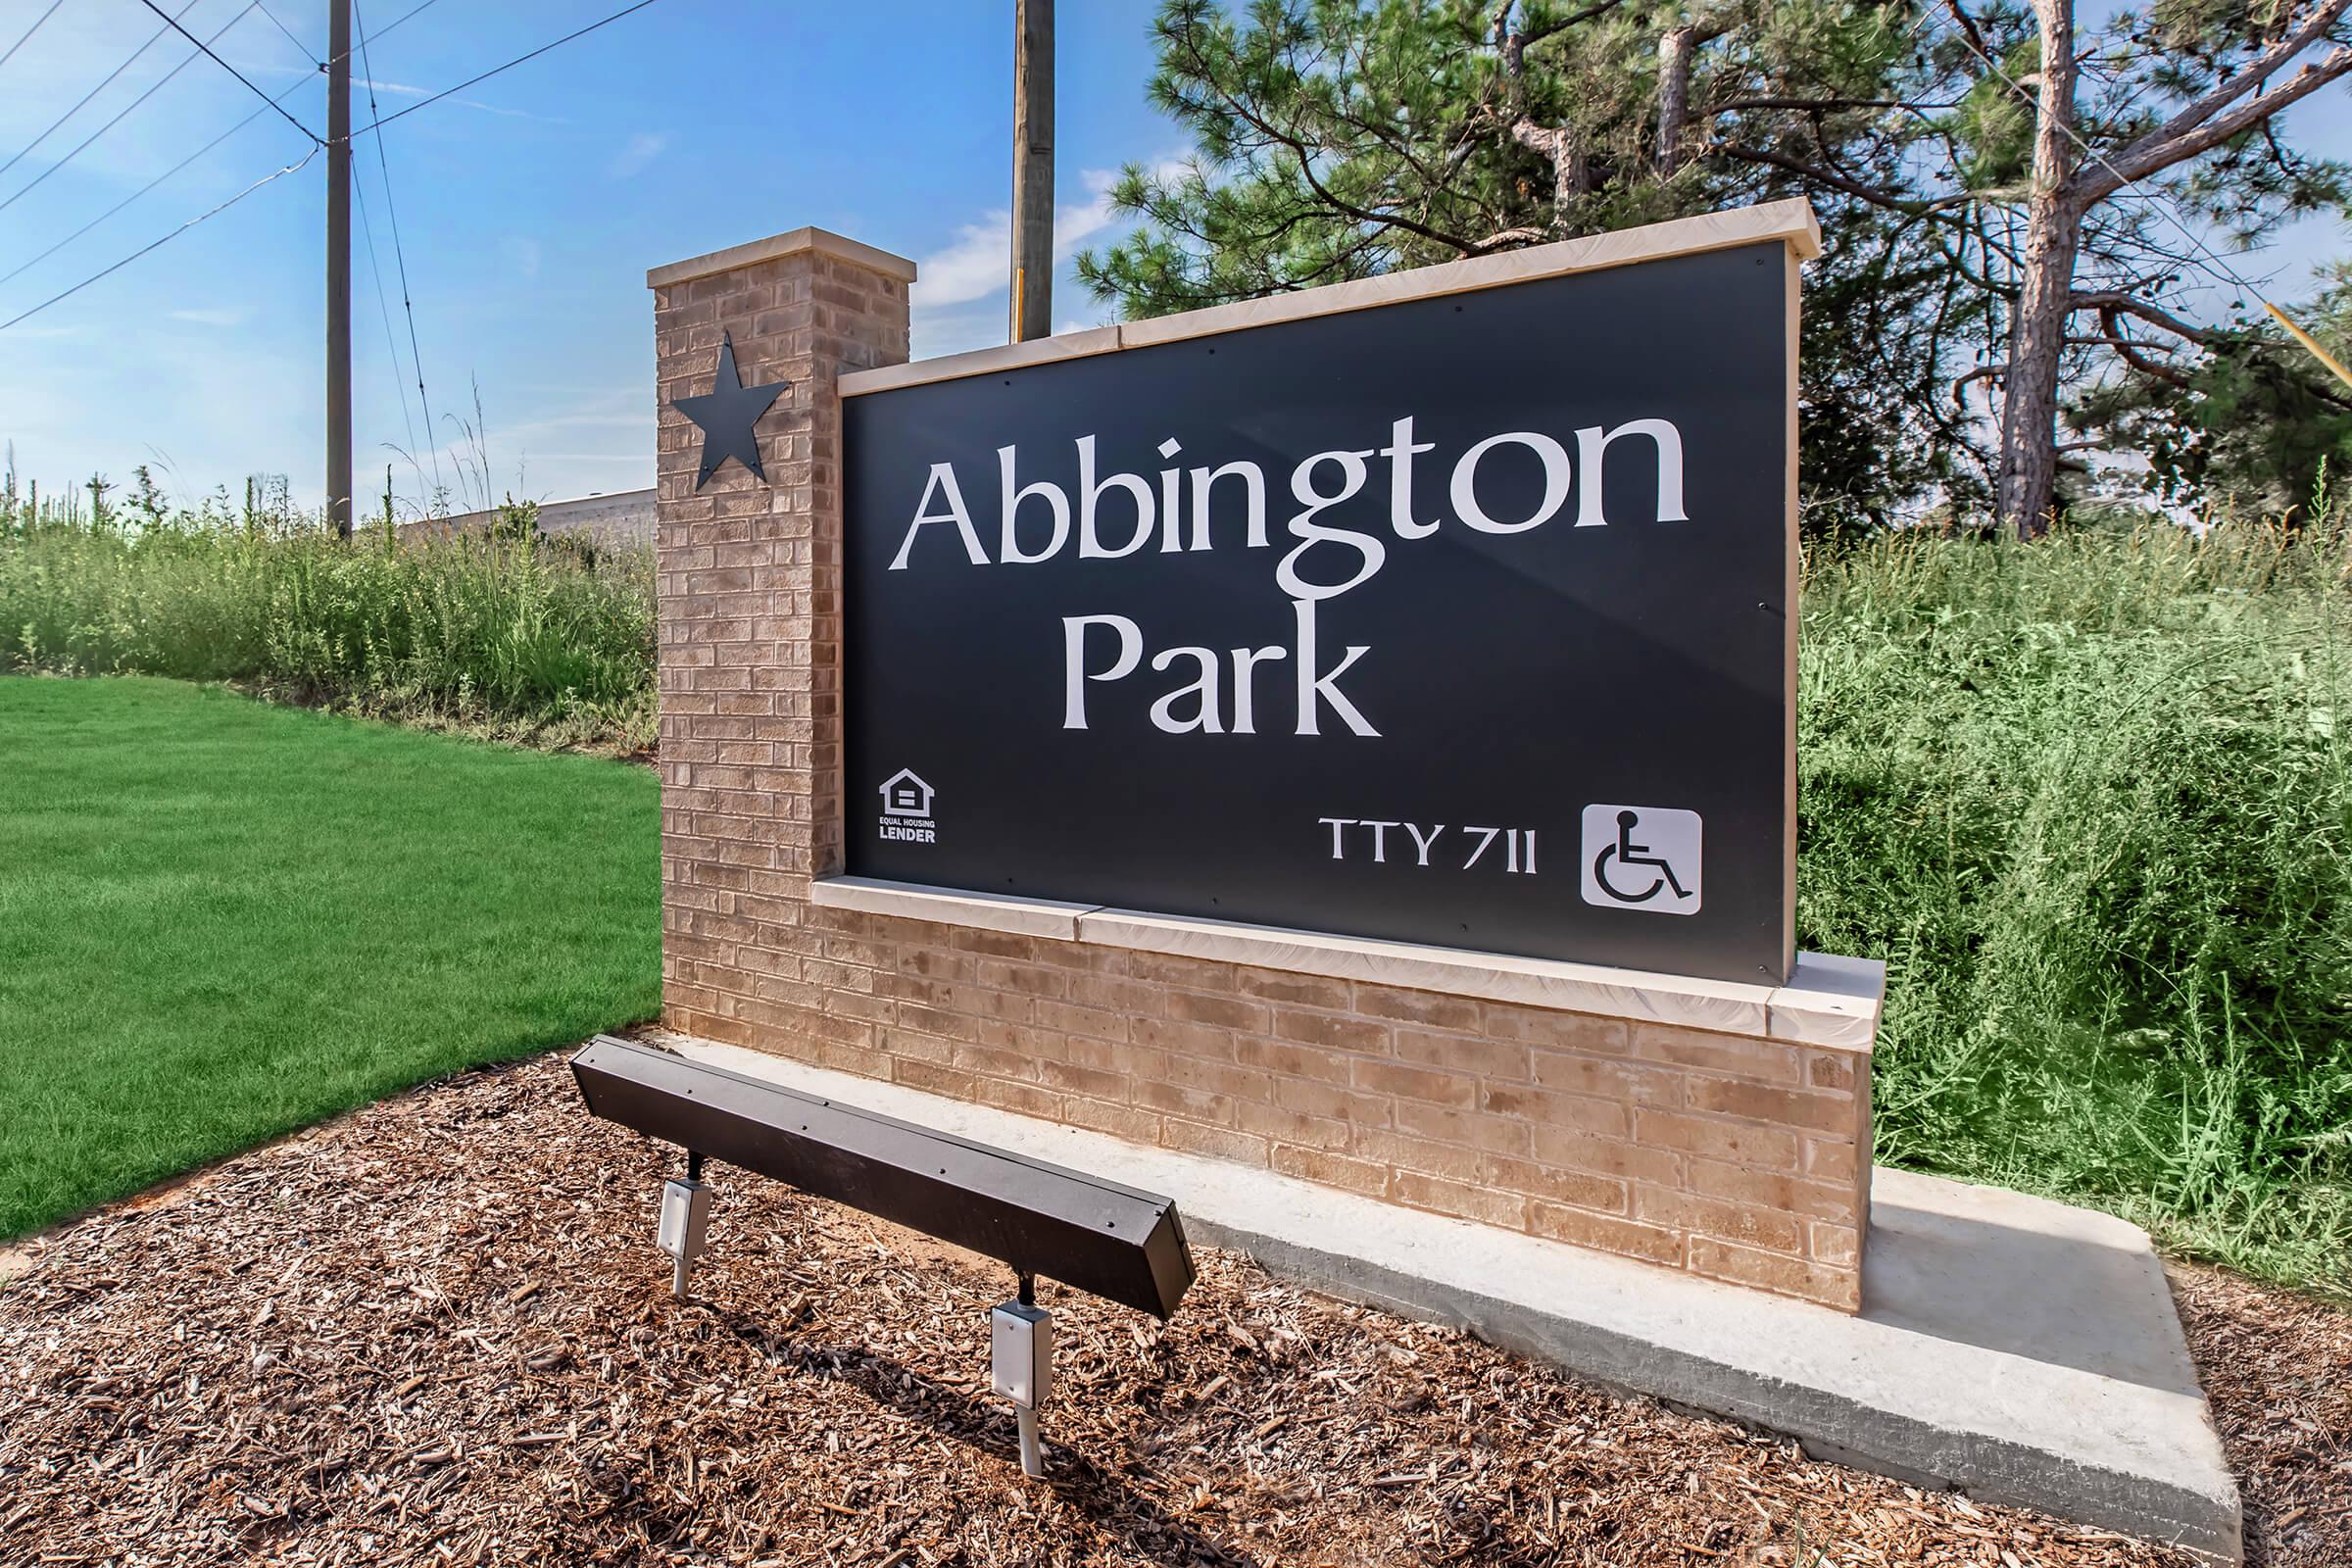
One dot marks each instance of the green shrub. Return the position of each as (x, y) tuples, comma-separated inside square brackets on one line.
[(502, 635), (2088, 799)]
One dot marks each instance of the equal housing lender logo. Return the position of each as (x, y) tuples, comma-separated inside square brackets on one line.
[(906, 808)]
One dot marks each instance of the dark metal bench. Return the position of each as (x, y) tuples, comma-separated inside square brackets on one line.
[(1112, 1240), (1119, 1244)]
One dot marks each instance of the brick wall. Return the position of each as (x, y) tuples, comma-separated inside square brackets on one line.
[(1737, 1158), (1732, 1157)]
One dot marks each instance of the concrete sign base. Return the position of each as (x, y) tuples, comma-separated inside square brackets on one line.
[(2019, 1349)]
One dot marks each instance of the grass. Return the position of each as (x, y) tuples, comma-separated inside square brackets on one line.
[(220, 920), (2089, 799), (509, 638)]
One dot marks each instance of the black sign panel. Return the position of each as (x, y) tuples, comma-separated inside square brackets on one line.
[(1464, 621)]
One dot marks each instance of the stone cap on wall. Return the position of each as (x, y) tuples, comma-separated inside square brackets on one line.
[(1790, 221), (1829, 1002), (790, 243)]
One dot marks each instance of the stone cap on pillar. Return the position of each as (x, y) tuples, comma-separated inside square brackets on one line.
[(776, 246)]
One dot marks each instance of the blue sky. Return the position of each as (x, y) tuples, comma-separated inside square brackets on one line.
[(531, 208)]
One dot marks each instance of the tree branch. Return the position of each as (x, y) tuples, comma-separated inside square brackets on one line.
[(2129, 352), (2109, 301), (1837, 181), (2236, 86), (1983, 372), (2109, 305), (1730, 105), (1528, 37), (1299, 150), (1678, 55), (1969, 29), (2099, 178)]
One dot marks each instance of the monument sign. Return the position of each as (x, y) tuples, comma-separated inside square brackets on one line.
[(1464, 621)]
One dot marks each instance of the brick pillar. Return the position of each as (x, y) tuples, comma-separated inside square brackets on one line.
[(749, 587)]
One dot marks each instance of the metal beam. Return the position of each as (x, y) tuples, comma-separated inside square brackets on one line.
[(1112, 1240)]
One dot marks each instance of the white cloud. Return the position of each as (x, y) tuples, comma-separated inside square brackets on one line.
[(953, 331), (362, 86), (971, 268), (219, 316), (642, 149), (402, 89), (975, 265), (1073, 226), (521, 252)]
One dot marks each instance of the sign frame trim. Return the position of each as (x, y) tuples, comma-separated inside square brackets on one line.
[(1828, 1001), (1790, 220)]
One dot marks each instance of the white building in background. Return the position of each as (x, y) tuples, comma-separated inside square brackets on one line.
[(623, 520)]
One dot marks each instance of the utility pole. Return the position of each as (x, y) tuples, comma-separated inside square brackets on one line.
[(1032, 169), (338, 267)]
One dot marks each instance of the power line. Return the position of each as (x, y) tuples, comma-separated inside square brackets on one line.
[(60, 245), (307, 52), (152, 89), (375, 273), (387, 27), (95, 91), (2162, 203), (399, 255), (257, 114), (155, 244), (231, 70), (30, 32), (133, 196), (332, 60), (172, 23), (494, 70)]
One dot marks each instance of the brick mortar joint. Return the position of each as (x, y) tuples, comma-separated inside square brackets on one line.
[(1212, 984)]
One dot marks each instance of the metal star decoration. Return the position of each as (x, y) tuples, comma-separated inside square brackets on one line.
[(729, 414)]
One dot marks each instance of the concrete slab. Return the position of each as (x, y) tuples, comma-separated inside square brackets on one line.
[(2020, 1349)]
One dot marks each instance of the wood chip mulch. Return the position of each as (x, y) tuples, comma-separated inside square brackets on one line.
[(2276, 1369), (437, 1332)]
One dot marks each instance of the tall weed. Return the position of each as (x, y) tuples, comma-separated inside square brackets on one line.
[(2088, 797), (507, 636)]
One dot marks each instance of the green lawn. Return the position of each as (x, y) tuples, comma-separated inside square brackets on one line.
[(220, 920)]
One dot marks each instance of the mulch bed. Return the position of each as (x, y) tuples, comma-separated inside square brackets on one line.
[(2277, 1372), (437, 1332)]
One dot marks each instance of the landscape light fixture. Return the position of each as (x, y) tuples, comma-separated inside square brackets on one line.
[(1020, 1365), (685, 1216)]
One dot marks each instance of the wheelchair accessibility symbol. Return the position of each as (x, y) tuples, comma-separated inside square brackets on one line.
[(1642, 857)]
